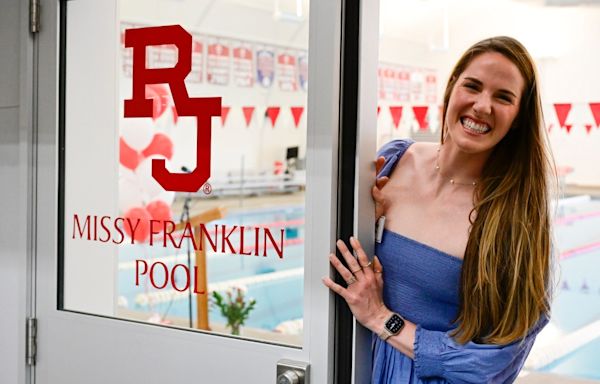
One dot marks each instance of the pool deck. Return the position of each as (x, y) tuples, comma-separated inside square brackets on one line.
[(217, 328), (233, 203), (547, 378)]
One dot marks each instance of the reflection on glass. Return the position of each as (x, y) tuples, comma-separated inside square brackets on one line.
[(419, 42), (229, 257)]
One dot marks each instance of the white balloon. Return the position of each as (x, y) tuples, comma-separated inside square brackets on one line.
[(150, 187), (137, 132), (130, 192)]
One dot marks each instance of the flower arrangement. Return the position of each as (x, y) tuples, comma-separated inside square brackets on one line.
[(234, 307)]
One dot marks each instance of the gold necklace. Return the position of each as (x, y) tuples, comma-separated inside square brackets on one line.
[(452, 181)]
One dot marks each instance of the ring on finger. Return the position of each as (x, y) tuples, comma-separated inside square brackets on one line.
[(351, 281), (368, 264), (358, 270), (378, 271)]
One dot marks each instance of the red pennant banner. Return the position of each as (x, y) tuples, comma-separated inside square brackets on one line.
[(562, 111), (248, 112), (588, 128), (272, 113), (224, 114), (378, 109), (396, 113), (568, 127), (421, 115), (595, 107), (297, 114)]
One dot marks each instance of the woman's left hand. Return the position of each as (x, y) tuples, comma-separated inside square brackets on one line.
[(364, 283)]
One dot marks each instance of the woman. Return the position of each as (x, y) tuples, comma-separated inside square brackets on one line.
[(459, 288)]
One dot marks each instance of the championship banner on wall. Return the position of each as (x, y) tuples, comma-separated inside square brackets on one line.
[(303, 71), (242, 68), (387, 83), (403, 84), (197, 59), (286, 71), (430, 87), (417, 86), (162, 56), (127, 53), (265, 66), (218, 62)]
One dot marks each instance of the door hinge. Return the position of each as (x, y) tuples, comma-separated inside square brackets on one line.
[(31, 341), (34, 16)]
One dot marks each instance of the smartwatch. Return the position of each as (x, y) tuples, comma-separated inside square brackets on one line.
[(392, 326)]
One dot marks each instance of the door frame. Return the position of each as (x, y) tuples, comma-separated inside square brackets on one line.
[(17, 172), (71, 342)]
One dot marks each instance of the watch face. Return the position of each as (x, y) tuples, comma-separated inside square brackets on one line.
[(394, 324)]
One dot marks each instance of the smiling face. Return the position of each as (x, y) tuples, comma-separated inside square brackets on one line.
[(484, 103)]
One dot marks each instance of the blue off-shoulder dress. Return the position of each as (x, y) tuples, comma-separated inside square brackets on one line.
[(421, 283)]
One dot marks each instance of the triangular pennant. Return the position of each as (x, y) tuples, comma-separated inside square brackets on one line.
[(562, 111), (272, 113), (297, 114), (396, 113), (588, 127), (248, 112), (378, 109), (568, 127), (595, 107), (420, 115), (224, 114)]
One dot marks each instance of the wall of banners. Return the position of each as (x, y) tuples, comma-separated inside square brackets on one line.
[(232, 62), (276, 77)]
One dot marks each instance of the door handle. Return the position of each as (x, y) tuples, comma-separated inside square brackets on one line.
[(292, 372)]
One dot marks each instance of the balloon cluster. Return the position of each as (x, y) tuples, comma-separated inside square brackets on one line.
[(142, 140)]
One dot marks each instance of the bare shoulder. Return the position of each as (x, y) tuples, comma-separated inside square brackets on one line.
[(416, 155)]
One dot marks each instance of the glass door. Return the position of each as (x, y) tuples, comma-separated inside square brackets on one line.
[(184, 222)]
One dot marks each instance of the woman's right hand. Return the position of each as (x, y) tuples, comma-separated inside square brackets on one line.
[(380, 202)]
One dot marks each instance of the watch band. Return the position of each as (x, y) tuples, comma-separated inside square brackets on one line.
[(385, 334)]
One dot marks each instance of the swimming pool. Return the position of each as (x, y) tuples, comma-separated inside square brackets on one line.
[(577, 300), (275, 283)]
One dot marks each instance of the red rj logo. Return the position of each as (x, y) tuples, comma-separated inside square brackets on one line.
[(203, 108)]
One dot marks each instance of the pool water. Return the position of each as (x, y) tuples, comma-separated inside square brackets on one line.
[(584, 362), (577, 298)]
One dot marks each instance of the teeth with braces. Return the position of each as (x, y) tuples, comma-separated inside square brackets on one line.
[(479, 128)]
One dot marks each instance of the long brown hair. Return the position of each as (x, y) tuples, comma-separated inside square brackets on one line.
[(506, 273)]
